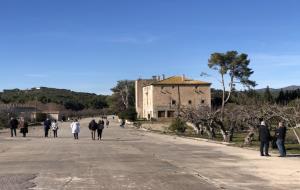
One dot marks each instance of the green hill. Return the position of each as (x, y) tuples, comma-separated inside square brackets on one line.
[(69, 99)]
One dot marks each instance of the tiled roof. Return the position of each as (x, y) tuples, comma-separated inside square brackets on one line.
[(180, 80)]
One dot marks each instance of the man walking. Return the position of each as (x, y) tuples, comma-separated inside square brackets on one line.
[(264, 138), (281, 134), (93, 127), (47, 125), (13, 126)]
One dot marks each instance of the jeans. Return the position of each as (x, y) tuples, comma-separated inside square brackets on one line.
[(93, 134), (13, 131), (99, 134), (76, 136), (281, 147), (264, 148), (46, 132), (55, 133)]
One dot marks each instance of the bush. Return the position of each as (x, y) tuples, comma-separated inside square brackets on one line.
[(178, 125), (129, 114), (4, 120)]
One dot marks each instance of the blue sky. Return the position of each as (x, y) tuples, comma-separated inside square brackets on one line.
[(88, 45)]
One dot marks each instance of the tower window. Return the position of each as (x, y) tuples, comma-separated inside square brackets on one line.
[(173, 102)]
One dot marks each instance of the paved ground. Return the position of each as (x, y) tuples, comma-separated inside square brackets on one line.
[(132, 159)]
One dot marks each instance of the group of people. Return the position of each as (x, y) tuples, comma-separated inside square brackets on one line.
[(94, 126), (265, 138), (75, 128), (50, 124), (21, 124)]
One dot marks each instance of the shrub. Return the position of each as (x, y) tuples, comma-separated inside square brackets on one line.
[(129, 114), (4, 120), (178, 125)]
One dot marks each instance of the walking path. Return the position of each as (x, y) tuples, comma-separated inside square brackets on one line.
[(132, 159)]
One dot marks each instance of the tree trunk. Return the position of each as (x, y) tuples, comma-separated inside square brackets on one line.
[(231, 131), (250, 136), (297, 136), (210, 132)]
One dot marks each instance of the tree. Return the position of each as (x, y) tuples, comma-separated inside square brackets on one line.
[(122, 101), (234, 66), (268, 97)]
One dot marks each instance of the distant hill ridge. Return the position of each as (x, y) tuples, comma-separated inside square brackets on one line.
[(288, 88), (69, 99)]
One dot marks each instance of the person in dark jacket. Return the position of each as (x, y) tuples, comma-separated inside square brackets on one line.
[(47, 126), (93, 127), (264, 138), (281, 134), (13, 126), (100, 129)]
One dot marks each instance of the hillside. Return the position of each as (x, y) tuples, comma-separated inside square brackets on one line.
[(277, 90), (69, 99)]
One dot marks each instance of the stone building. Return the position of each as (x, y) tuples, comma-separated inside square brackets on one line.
[(159, 99)]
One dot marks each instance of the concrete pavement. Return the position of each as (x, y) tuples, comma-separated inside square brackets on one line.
[(132, 159)]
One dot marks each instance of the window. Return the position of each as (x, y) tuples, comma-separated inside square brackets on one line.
[(173, 102), (161, 114), (202, 101), (171, 113), (190, 102)]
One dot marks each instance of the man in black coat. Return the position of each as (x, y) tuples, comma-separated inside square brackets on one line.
[(264, 138), (13, 126), (93, 126), (47, 125)]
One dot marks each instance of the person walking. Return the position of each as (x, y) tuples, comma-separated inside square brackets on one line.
[(54, 126), (23, 127), (47, 125), (281, 134), (75, 126), (100, 129), (264, 138), (107, 123), (93, 127), (13, 126)]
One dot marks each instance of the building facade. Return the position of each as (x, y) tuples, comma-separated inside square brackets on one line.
[(163, 98)]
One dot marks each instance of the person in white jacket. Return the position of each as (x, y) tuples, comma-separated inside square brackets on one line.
[(75, 126)]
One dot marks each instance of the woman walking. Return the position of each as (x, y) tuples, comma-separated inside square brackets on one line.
[(75, 126), (23, 127), (100, 129), (54, 126)]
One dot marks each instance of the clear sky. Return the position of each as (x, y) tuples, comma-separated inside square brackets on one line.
[(87, 45)]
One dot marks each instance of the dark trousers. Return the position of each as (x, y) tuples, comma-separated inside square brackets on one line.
[(46, 132), (13, 131), (93, 134), (24, 134), (100, 133), (76, 136), (55, 133), (281, 147), (264, 147)]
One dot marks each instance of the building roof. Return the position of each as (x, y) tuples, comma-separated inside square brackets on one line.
[(180, 80)]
